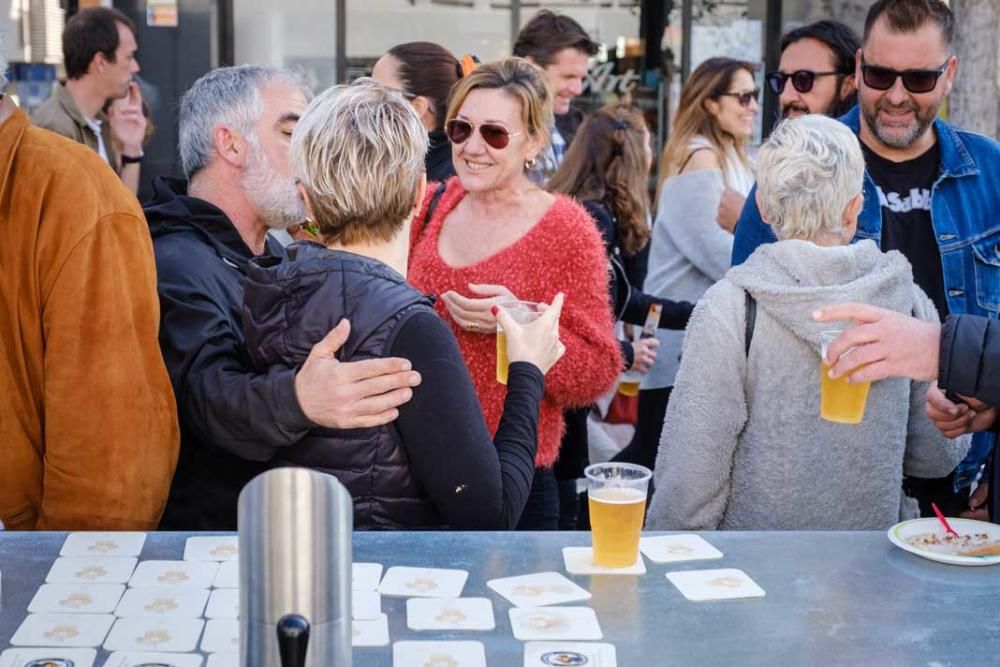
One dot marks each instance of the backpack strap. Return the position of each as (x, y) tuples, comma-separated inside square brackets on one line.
[(751, 320), (691, 155), (435, 198)]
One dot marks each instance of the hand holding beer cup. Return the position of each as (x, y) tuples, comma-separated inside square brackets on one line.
[(528, 332), (840, 400)]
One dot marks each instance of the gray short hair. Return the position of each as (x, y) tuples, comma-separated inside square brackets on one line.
[(359, 152), (227, 96), (807, 172)]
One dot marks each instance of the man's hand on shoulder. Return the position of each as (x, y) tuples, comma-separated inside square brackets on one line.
[(358, 394)]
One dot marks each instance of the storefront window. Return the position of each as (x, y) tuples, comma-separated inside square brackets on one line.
[(298, 34), (477, 27)]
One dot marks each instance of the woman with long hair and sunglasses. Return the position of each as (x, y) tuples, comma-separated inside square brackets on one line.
[(491, 235), (607, 170), (425, 73), (704, 159)]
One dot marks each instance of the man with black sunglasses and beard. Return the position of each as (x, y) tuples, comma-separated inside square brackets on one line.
[(816, 71), (930, 189)]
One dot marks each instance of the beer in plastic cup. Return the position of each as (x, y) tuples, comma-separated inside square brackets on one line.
[(617, 499), (839, 400), (523, 312)]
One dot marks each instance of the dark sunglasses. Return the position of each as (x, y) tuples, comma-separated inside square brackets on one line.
[(914, 80), (802, 80), (744, 98), (495, 136)]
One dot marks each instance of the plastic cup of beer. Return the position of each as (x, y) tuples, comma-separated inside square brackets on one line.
[(522, 312), (840, 401), (617, 498)]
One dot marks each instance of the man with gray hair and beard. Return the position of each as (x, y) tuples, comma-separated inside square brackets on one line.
[(236, 125)]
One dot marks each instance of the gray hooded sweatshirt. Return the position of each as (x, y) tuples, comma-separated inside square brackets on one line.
[(743, 446)]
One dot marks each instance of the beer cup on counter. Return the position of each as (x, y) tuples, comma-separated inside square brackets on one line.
[(523, 312), (617, 499), (840, 401)]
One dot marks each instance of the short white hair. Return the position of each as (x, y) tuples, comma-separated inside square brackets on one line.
[(358, 151), (227, 96), (808, 171)]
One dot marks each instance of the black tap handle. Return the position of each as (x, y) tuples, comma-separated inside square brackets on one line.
[(293, 639)]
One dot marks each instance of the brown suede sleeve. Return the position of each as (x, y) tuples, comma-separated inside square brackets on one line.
[(111, 435)]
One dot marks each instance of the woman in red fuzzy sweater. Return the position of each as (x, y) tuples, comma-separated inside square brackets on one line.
[(493, 235)]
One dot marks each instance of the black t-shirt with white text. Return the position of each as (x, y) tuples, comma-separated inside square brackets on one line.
[(904, 191)]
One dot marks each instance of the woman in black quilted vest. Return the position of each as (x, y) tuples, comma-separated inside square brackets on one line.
[(358, 154)]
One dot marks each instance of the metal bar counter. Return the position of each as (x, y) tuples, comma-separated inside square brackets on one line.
[(834, 598)]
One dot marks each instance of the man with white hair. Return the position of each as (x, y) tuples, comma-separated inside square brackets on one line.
[(88, 428), (236, 125)]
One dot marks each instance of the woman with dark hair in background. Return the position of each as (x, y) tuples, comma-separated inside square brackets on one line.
[(607, 170), (424, 73)]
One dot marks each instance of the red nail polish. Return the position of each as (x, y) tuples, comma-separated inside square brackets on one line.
[(495, 310)]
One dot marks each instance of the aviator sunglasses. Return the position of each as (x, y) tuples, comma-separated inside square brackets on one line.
[(802, 80), (744, 98), (914, 80), (496, 136)]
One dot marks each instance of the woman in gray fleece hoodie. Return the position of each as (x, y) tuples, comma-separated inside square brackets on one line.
[(743, 446)]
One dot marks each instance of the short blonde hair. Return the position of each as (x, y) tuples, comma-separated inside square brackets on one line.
[(518, 78), (359, 151), (808, 171)]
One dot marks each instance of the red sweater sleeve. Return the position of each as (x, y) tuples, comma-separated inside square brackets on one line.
[(593, 357)]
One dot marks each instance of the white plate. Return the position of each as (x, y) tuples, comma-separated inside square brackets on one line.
[(899, 533)]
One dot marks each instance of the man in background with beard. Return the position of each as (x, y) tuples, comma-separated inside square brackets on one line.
[(930, 189), (816, 70), (235, 127)]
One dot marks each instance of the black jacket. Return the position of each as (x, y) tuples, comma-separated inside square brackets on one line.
[(568, 123), (627, 273), (232, 419), (969, 365), (438, 160), (289, 306)]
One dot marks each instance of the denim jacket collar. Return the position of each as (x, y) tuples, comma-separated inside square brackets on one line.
[(955, 158)]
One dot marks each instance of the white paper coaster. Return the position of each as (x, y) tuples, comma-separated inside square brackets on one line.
[(450, 615), (221, 634), (365, 576), (365, 605), (103, 544), (21, 657), (176, 573), (438, 654), (212, 548), (162, 602), (76, 599), (228, 575), (544, 654), (725, 584), (370, 633), (155, 635), (677, 548), (224, 659), (538, 590), (554, 623), (224, 603), (580, 560), (139, 659), (63, 630), (90, 570), (424, 582)]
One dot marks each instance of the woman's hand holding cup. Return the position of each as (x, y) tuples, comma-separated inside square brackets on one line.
[(536, 341)]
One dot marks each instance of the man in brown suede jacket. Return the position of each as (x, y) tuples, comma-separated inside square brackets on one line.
[(88, 427)]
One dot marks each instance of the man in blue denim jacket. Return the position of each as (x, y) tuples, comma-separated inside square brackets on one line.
[(931, 190)]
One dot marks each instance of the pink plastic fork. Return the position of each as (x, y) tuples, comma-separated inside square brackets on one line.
[(944, 521)]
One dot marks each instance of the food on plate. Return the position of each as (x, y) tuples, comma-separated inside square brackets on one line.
[(991, 549), (950, 544)]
